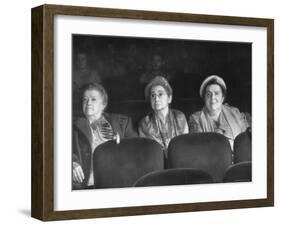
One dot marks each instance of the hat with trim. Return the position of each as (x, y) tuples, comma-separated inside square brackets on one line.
[(214, 79), (157, 81)]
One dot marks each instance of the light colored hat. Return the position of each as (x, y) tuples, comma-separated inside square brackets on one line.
[(158, 81), (213, 78)]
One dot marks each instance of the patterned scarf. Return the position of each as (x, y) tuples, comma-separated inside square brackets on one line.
[(102, 131), (103, 127), (167, 130)]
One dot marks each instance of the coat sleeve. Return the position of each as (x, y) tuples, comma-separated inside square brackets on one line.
[(123, 125), (142, 129), (244, 119), (181, 121), (248, 119), (129, 129), (76, 154), (145, 129)]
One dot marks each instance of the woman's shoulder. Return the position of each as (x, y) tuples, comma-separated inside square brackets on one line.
[(195, 116), (231, 108), (178, 114), (237, 113), (116, 115), (147, 119), (121, 118), (79, 122), (244, 116), (146, 125), (81, 126)]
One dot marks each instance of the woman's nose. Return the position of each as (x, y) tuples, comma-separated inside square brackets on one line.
[(88, 102)]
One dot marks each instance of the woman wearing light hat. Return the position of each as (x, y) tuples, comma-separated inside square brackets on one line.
[(215, 115), (162, 123)]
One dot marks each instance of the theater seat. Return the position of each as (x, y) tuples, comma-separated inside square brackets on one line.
[(120, 165), (242, 150), (239, 172), (174, 177), (210, 152)]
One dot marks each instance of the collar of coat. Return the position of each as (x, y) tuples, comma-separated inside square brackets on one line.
[(83, 125)]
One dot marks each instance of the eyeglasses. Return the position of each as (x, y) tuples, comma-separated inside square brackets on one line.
[(159, 95)]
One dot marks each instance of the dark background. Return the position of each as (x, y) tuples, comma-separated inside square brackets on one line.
[(119, 62)]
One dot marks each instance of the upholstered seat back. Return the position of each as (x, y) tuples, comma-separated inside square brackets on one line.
[(239, 172), (174, 177), (120, 165), (242, 148), (210, 152)]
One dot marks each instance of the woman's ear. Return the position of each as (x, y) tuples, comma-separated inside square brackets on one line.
[(223, 99), (170, 98), (104, 106)]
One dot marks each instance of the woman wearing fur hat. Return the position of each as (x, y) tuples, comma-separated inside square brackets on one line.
[(162, 123), (215, 115)]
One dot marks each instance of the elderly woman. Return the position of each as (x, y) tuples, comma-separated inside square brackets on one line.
[(93, 129), (162, 123), (215, 115)]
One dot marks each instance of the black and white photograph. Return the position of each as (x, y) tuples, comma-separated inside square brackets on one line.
[(160, 112), (147, 112)]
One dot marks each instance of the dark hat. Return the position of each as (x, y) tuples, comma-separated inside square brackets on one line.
[(213, 78), (158, 81)]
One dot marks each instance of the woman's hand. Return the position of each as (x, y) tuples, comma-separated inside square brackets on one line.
[(77, 173)]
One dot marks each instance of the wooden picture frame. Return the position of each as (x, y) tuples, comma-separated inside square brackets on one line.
[(43, 111)]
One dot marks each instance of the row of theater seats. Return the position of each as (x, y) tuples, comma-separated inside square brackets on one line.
[(240, 172), (191, 159)]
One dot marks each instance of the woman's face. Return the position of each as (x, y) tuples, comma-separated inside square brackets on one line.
[(93, 104), (159, 98), (213, 97)]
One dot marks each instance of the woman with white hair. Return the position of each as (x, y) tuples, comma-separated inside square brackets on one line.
[(95, 128)]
